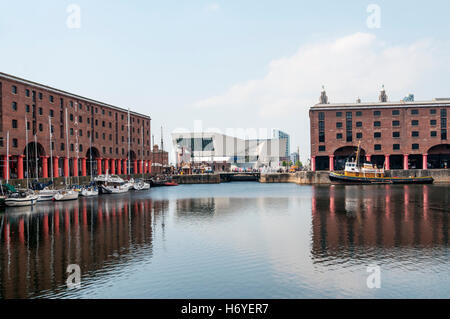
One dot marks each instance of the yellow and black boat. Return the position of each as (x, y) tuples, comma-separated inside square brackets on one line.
[(367, 173)]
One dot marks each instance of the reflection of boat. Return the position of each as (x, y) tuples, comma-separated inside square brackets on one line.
[(65, 195), (367, 173), (23, 198), (46, 194)]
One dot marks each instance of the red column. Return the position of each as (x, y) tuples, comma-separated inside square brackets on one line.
[(66, 167), (425, 161), (107, 166), (99, 166), (55, 167), (149, 171), (313, 163), (405, 162), (83, 166), (75, 167), (331, 163), (119, 166), (5, 170), (369, 158), (141, 167), (387, 164), (125, 166), (135, 167), (113, 166), (20, 167), (44, 166)]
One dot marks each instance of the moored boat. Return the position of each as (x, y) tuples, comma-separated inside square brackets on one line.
[(89, 191), (46, 194), (367, 173), (21, 198), (66, 195)]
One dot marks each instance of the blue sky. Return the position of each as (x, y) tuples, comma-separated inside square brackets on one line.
[(230, 64)]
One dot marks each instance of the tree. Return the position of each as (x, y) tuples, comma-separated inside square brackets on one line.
[(299, 164)]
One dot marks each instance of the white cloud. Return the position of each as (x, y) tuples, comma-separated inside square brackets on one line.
[(212, 7), (350, 67)]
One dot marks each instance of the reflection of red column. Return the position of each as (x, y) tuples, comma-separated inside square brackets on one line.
[(45, 226), (55, 167), (76, 215), (21, 230), (313, 163), (84, 214), (83, 166), (135, 167), (7, 232), (75, 167), (5, 171), (66, 167), (405, 162), (107, 165), (406, 200), (331, 163), (387, 163), (99, 166), (67, 218), (388, 200), (44, 166), (425, 161), (119, 166), (332, 201), (20, 167), (56, 221), (425, 201), (113, 166)]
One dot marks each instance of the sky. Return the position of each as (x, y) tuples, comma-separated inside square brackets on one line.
[(229, 66)]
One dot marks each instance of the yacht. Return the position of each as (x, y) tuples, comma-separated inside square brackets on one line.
[(22, 198)]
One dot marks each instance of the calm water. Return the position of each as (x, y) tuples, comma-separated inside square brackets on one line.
[(238, 240)]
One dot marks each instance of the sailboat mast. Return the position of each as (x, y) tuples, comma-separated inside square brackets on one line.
[(26, 143), (90, 155), (36, 155), (128, 157), (7, 157), (51, 149), (67, 143), (142, 150)]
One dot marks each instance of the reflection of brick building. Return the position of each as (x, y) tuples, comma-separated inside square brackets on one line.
[(160, 160), (87, 119), (397, 135)]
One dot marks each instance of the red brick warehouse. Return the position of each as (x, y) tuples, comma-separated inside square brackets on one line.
[(95, 130), (394, 135)]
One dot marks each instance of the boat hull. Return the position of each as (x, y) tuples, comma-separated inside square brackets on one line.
[(21, 202), (336, 178)]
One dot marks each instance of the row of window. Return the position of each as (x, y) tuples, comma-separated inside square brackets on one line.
[(15, 144), (377, 135), (51, 99), (378, 147), (394, 123), (80, 132), (397, 112)]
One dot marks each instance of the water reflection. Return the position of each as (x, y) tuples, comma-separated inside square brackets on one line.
[(230, 241), (39, 243), (366, 220)]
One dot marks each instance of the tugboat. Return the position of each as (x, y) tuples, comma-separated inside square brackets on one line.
[(366, 173)]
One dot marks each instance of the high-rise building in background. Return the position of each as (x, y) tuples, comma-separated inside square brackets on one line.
[(277, 134)]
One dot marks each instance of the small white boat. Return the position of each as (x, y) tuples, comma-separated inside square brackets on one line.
[(46, 194), (20, 199), (65, 195), (140, 185), (89, 192), (115, 188), (108, 179)]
